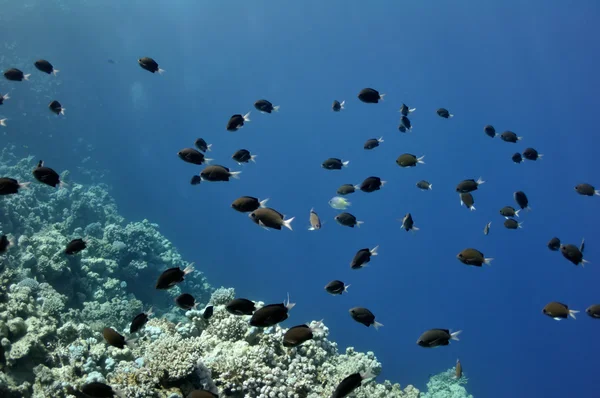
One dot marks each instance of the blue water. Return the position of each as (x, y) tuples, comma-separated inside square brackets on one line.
[(526, 67)]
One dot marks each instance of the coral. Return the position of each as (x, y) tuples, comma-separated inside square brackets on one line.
[(445, 385)]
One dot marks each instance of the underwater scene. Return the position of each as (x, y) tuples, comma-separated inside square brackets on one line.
[(386, 199)]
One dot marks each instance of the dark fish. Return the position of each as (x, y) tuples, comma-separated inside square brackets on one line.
[(195, 180), (240, 306), (4, 98), (587, 190), (467, 199), (337, 105), (201, 144), (458, 370), (190, 155), (470, 185), (473, 257), (372, 184), (5, 243), (201, 394), (408, 224), (45, 67), (370, 96), (511, 223), (172, 276), (218, 173), (444, 113), (98, 390), (347, 189), (114, 339), (372, 143), (409, 160), (75, 246), (517, 158), (554, 244), (111, 61), (56, 107), (270, 218), (437, 337), (401, 128), (490, 131), (237, 121), (486, 229), (10, 186), (208, 312), (315, 221), (15, 75), (347, 220), (508, 211), (558, 311), (593, 311), (405, 110), (186, 301), (334, 164), (531, 154), (47, 176), (349, 384), (336, 287), (140, 321), (245, 204), (363, 257), (364, 316), (424, 185), (573, 253), (405, 122), (522, 200), (265, 106), (509, 136), (271, 314), (150, 65), (243, 156), (297, 335)]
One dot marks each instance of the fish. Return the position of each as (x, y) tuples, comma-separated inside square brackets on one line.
[(408, 223), (334, 164), (531, 154), (195, 180), (443, 112), (424, 185), (558, 311), (150, 65), (372, 143), (47, 176), (347, 220), (139, 321), (554, 244), (186, 301), (574, 254), (15, 75), (240, 306), (113, 338), (245, 204), (409, 160), (45, 66), (511, 223), (297, 335), (337, 105), (405, 110), (243, 156), (350, 383), (473, 257), (193, 156), (216, 173), (363, 257), (522, 200), (517, 158), (470, 185), (347, 189), (201, 394), (271, 314), (99, 390), (336, 287), (372, 184), (467, 199), (364, 316), (339, 203), (437, 337), (202, 146), (10, 186), (458, 370), (270, 218), (509, 136), (405, 122), (486, 230), (208, 312), (237, 121), (173, 276), (586, 190), (509, 211), (315, 221), (490, 131), (370, 96), (4, 98), (265, 106), (593, 311), (75, 246), (5, 243), (56, 107)]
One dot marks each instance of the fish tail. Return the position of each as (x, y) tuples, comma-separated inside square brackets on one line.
[(62, 111), (540, 155), (55, 72), (412, 110), (520, 225), (342, 104), (263, 202), (420, 160), (150, 312), (311, 228), (480, 181), (288, 304), (374, 250), (189, 269), (276, 108), (430, 186), (381, 97), (208, 160), (6, 96), (358, 223), (3, 122), (597, 192), (247, 117), (161, 71), (377, 325), (357, 186), (572, 313), (346, 288), (288, 223), (24, 185), (235, 174), (26, 77), (519, 138), (345, 163), (208, 148), (450, 115), (380, 139), (472, 208), (62, 184), (253, 158), (517, 213), (414, 228), (454, 335), (131, 342), (488, 261)]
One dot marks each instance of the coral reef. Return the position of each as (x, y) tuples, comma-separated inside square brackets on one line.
[(446, 385)]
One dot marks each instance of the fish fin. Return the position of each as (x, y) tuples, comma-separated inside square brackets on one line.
[(55, 72), (381, 97), (358, 223), (289, 305), (357, 186), (540, 156), (253, 158), (454, 335), (572, 313), (131, 342), (3, 122), (62, 111), (368, 374), (557, 319), (150, 312), (380, 139), (207, 160), (520, 225), (6, 96), (472, 208), (161, 71), (377, 325), (519, 138), (597, 192), (311, 228), (450, 115), (345, 163), (263, 202), (276, 108), (342, 104), (288, 223), (24, 185), (235, 174), (373, 251), (383, 183), (414, 228), (517, 213), (346, 288), (584, 261), (412, 110), (488, 261), (480, 181), (189, 269), (420, 160), (247, 116), (430, 186), (208, 148), (62, 184), (26, 77)]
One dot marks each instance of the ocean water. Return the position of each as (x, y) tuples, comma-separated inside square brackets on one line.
[(529, 68)]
